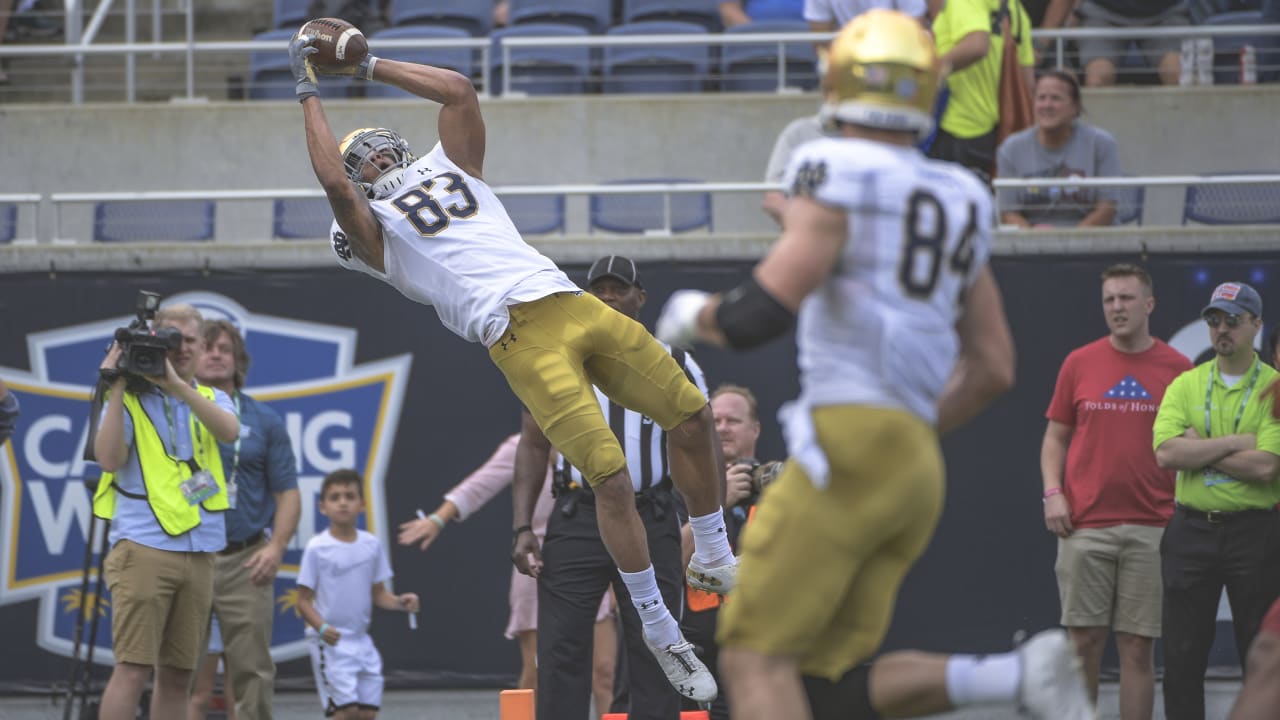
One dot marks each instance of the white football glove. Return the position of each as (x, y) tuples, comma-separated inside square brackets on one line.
[(678, 323)]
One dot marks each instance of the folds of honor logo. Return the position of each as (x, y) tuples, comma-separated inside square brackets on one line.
[(338, 415)]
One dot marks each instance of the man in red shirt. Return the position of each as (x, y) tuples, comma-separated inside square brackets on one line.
[(1260, 695), (1104, 495)]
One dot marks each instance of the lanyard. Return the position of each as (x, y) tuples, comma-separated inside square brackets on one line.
[(1208, 398), (235, 453), (172, 450)]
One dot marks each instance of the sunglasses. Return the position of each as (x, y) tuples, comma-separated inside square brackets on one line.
[(1214, 321)]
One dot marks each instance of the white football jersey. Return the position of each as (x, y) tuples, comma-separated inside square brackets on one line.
[(880, 331), (449, 243)]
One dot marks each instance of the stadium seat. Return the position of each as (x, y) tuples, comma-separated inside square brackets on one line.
[(703, 12), (460, 59), (301, 218), (476, 18), (656, 68), (8, 222), (643, 212), (1129, 204), (1226, 49), (535, 214), (754, 68), (541, 70), (1232, 204), (289, 13), (594, 16), (271, 79), (153, 220)]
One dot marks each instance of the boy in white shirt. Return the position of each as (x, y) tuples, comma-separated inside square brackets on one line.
[(339, 566)]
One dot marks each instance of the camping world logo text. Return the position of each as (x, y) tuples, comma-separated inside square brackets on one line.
[(337, 414)]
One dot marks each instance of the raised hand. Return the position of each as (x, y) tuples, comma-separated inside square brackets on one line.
[(304, 73)]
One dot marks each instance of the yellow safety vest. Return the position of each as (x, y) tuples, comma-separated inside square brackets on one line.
[(162, 474)]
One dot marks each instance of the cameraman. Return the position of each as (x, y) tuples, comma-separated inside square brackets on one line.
[(737, 416), (164, 493)]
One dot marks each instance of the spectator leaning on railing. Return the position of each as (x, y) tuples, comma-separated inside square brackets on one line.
[(1059, 145)]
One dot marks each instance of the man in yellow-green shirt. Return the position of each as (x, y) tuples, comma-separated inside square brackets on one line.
[(1215, 427), (971, 48)]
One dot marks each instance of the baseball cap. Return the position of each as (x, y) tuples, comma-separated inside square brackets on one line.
[(1235, 298), (614, 266)]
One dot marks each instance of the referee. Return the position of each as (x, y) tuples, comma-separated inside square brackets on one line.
[(1215, 427), (577, 569)]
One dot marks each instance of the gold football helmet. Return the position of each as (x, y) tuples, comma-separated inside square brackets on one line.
[(360, 147), (882, 73)]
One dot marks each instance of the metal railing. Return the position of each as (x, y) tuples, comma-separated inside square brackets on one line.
[(25, 199), (79, 44), (59, 201)]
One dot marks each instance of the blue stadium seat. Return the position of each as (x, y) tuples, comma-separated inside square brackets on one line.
[(1226, 49), (754, 68), (455, 58), (153, 220), (476, 18), (301, 218), (594, 16), (535, 214), (541, 70), (1129, 204), (8, 222), (1232, 204), (289, 13), (656, 68), (643, 212), (703, 12), (271, 79)]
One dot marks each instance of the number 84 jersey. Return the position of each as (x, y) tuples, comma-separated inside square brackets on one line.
[(880, 331), (449, 243)]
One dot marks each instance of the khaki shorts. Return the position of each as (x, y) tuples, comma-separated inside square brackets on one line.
[(557, 347), (820, 569), (160, 602), (1110, 577)]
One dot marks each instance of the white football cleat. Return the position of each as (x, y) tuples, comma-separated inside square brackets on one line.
[(1052, 683), (718, 579), (686, 673)]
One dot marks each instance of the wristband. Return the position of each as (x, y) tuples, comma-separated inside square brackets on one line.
[(1051, 492), (322, 628), (436, 519), (368, 71)]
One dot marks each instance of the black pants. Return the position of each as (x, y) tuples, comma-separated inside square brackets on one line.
[(577, 569), (1198, 559), (977, 153)]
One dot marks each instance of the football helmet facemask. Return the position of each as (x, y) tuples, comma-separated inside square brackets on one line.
[(360, 147), (882, 73)]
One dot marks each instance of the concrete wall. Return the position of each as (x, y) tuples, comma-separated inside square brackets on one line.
[(225, 145)]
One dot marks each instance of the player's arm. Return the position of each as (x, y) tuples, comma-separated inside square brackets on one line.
[(349, 204), (461, 125), (985, 367)]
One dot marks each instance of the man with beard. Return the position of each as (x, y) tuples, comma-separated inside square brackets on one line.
[(1216, 428)]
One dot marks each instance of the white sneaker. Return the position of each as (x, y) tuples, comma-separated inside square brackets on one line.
[(685, 671), (719, 579), (1052, 684)]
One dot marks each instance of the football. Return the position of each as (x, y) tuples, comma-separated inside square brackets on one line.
[(340, 44)]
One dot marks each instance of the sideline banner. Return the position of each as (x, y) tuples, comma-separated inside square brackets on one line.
[(365, 378)]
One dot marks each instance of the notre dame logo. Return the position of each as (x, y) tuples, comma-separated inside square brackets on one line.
[(809, 178), (341, 247)]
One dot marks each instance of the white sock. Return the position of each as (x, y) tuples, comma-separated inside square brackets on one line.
[(710, 539), (983, 679), (659, 627)]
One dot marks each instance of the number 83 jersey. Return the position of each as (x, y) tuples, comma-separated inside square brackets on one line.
[(449, 243), (880, 331)]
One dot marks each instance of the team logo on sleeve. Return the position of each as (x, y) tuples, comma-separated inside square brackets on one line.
[(810, 176), (337, 414)]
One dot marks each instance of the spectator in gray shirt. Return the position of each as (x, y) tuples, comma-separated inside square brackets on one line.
[(8, 412), (1058, 145)]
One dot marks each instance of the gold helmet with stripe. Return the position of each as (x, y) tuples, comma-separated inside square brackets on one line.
[(360, 147), (882, 73)]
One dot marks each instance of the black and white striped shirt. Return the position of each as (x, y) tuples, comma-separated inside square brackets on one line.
[(643, 442)]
